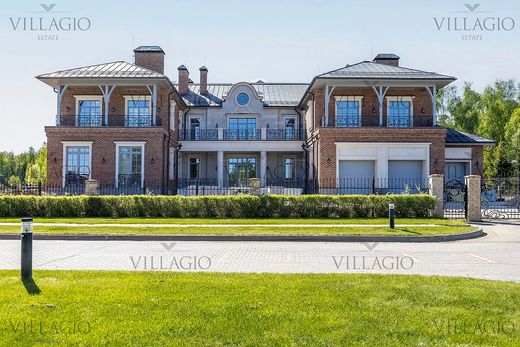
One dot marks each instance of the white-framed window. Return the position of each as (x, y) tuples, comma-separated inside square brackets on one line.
[(399, 111), (290, 129), (194, 167), (289, 165), (194, 128), (89, 110), (138, 110), (348, 111), (130, 164), (171, 169), (77, 162)]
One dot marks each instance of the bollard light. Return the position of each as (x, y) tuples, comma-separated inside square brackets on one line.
[(27, 237), (27, 225), (391, 215)]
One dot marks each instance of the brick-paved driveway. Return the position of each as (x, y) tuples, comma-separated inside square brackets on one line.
[(496, 256)]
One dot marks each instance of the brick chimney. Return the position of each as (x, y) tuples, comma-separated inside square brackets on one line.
[(387, 59), (150, 57), (184, 79), (203, 79)]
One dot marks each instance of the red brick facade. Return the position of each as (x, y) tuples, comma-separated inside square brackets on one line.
[(326, 163)]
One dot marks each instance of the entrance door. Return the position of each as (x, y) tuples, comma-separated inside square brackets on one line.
[(455, 172)]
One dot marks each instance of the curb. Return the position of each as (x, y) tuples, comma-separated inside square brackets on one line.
[(271, 238)]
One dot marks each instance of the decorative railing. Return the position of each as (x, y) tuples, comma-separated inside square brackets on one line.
[(113, 120), (347, 122), (242, 134), (284, 135), (399, 122), (198, 134)]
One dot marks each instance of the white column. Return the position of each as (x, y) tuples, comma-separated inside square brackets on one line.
[(59, 95), (433, 94), (220, 168), (380, 92), (263, 168), (327, 100), (107, 92), (179, 164), (154, 104)]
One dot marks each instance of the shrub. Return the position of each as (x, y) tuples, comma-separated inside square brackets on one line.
[(236, 206)]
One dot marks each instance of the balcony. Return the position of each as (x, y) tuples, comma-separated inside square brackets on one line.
[(198, 134), (284, 135), (241, 134), (399, 122), (130, 121), (419, 121)]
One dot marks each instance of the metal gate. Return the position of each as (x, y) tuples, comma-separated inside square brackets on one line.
[(455, 199), (500, 198)]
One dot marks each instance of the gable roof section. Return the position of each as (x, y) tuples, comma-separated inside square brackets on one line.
[(455, 137), (116, 69), (274, 94), (371, 70)]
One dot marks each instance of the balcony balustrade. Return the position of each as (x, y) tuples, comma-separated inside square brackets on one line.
[(113, 121)]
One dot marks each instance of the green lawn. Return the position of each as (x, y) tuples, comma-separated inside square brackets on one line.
[(206, 309), (438, 221), (246, 230)]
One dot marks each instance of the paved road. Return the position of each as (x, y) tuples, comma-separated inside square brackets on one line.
[(497, 256)]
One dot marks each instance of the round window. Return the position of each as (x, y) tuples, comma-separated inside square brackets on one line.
[(242, 99)]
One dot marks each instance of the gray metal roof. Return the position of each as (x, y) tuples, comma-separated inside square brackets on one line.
[(458, 137), (371, 70), (274, 94), (116, 69)]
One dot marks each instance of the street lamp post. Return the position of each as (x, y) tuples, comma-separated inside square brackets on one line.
[(391, 215), (27, 238)]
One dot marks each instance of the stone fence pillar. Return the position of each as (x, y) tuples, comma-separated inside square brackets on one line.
[(92, 187), (473, 190), (436, 184)]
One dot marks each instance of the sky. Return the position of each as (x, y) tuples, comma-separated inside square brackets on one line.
[(241, 40)]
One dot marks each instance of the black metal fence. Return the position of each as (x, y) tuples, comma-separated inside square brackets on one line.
[(500, 198), (455, 199), (211, 186)]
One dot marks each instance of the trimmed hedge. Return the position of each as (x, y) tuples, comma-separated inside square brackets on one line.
[(236, 206)]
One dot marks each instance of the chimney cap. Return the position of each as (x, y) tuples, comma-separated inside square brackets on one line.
[(182, 67), (203, 68), (386, 56), (149, 49)]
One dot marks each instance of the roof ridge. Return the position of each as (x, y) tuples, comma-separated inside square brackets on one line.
[(411, 69), (341, 68), (100, 64)]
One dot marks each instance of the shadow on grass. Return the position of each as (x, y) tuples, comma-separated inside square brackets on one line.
[(31, 286)]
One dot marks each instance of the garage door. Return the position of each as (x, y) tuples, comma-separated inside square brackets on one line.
[(405, 174), (355, 176)]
